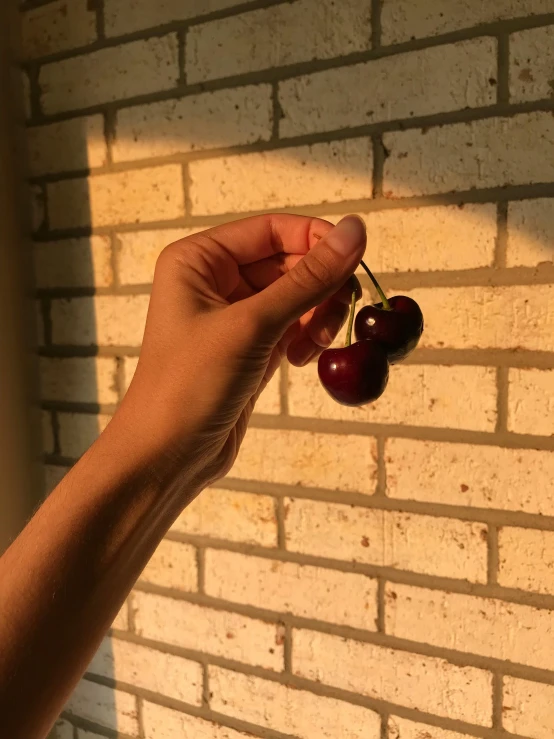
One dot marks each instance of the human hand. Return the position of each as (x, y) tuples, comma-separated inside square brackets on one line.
[(227, 305)]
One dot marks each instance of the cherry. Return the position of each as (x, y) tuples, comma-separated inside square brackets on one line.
[(396, 323), (355, 374)]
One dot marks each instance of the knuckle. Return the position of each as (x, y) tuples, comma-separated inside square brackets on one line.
[(315, 268)]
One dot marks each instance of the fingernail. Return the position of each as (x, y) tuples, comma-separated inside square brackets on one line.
[(348, 236)]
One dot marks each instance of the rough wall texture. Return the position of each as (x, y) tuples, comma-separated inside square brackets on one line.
[(386, 573)]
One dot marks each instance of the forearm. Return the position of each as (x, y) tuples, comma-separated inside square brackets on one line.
[(64, 579)]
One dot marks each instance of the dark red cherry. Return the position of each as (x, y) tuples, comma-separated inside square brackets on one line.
[(355, 374), (398, 330)]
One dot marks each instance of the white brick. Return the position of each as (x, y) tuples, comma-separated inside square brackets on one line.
[(137, 196), (207, 630), (406, 541), (121, 621), (488, 153), (403, 20), (106, 320), (165, 723), (530, 233), (225, 514), (277, 36), (85, 380), (289, 710), (173, 565), (150, 669), (466, 475), (401, 728), (126, 16), (428, 684), (57, 26), (527, 708), (129, 369), (518, 317), (428, 239), (526, 559), (59, 147), (139, 250), (531, 402), (74, 263), (417, 395), (63, 730), (322, 173), (47, 433), (208, 121), (269, 401), (308, 459), (426, 82), (491, 628), (53, 476), (532, 64), (78, 431), (111, 74), (105, 706), (309, 592)]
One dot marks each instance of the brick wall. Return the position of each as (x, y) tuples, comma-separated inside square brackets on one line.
[(384, 573)]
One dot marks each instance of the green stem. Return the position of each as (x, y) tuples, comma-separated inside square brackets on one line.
[(386, 304), (351, 319)]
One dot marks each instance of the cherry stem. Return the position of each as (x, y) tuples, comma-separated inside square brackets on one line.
[(386, 304), (351, 319)]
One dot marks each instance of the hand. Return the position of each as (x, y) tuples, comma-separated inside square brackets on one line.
[(227, 305)]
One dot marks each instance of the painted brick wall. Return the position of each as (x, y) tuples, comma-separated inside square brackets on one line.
[(384, 573)]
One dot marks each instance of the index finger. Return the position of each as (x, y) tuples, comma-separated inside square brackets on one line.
[(250, 239)]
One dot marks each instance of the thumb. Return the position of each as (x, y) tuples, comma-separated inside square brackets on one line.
[(316, 277)]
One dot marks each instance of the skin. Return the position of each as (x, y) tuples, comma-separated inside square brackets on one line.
[(227, 306)]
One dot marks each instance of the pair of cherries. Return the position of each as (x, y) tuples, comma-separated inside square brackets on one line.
[(386, 333)]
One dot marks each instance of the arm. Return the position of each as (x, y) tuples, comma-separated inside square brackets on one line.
[(226, 306)]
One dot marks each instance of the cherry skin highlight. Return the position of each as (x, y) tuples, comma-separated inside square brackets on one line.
[(398, 330), (356, 374)]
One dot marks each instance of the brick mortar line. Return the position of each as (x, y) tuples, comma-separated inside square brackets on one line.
[(515, 358), (78, 722), (280, 515), (398, 431), (501, 245), (488, 516), (497, 700), (478, 277), (376, 7), (262, 77), (501, 193), (493, 558), (162, 29), (369, 130), (453, 657), (390, 574), (502, 407), (507, 440), (383, 573), (497, 28), (140, 718), (100, 20), (378, 705), (381, 486), (503, 64)]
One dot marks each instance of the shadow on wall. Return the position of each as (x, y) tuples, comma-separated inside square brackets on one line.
[(315, 137)]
